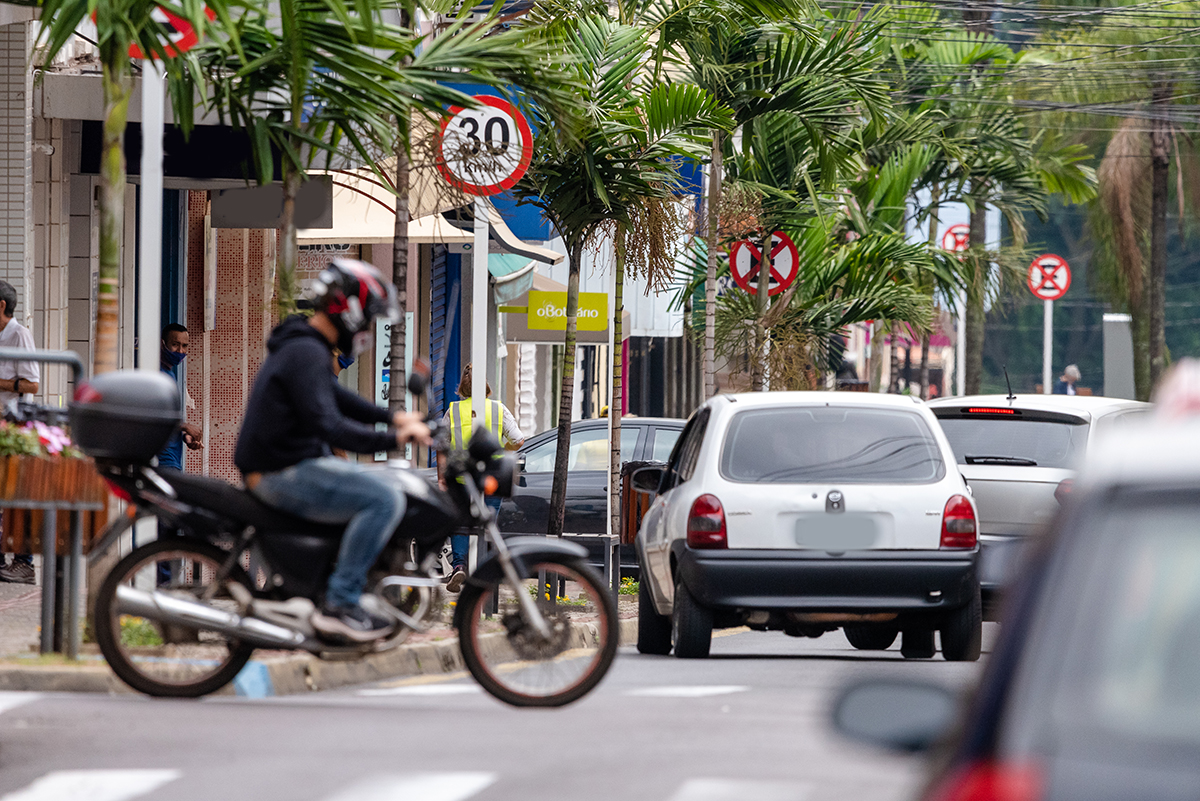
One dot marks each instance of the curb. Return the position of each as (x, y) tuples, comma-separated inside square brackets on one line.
[(293, 674)]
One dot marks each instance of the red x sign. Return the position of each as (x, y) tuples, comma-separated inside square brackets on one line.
[(745, 257), (1049, 277), (180, 33), (957, 238)]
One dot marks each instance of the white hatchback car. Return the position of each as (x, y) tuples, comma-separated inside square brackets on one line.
[(806, 512)]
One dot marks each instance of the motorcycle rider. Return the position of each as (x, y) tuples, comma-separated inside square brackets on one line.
[(297, 413)]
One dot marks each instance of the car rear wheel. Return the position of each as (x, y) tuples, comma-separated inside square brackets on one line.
[(871, 638), (654, 630), (691, 625), (962, 632)]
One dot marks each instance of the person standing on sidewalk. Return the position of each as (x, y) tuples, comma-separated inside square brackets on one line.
[(497, 419), (16, 379), (172, 352)]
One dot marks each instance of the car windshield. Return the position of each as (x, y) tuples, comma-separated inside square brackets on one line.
[(589, 451), (830, 444), (1120, 664), (1015, 441)]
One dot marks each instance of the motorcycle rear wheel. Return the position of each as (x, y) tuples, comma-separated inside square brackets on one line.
[(517, 666), (168, 659)]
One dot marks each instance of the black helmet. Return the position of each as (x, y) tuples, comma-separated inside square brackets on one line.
[(353, 293)]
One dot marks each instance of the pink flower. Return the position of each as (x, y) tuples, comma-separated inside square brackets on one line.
[(53, 438)]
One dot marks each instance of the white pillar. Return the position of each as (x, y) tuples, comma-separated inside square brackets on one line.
[(480, 358), (150, 240), (1047, 346), (960, 348)]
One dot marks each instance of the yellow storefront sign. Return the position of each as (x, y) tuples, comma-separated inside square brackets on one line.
[(548, 311)]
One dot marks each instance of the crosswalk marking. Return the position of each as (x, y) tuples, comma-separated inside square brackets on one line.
[(12, 700), (93, 785), (740, 790), (687, 691), (423, 786), (423, 689)]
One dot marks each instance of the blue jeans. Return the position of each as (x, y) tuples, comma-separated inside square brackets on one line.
[(333, 490), (461, 543)]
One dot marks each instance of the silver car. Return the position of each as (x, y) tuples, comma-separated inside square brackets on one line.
[(1019, 455)]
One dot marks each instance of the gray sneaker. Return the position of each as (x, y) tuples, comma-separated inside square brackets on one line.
[(457, 579), (17, 573)]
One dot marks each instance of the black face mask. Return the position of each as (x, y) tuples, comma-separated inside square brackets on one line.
[(172, 358)]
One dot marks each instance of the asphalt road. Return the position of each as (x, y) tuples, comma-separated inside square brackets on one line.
[(749, 724)]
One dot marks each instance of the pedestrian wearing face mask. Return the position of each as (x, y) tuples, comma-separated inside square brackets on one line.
[(173, 352)]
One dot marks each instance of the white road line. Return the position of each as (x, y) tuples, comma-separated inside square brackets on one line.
[(422, 689), (417, 787), (740, 790), (12, 700), (688, 691), (93, 785)]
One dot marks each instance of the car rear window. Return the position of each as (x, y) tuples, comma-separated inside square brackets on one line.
[(847, 445), (1118, 663), (1019, 441)]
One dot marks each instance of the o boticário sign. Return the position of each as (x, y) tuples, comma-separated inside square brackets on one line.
[(744, 258), (1049, 277), (485, 150), (548, 311), (182, 35)]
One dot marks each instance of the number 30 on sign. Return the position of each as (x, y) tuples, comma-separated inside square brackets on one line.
[(485, 150)]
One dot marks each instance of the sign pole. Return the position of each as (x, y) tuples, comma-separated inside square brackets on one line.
[(1047, 345), (150, 241), (479, 288)]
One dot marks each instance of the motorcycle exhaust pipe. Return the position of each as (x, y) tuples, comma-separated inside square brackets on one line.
[(165, 608)]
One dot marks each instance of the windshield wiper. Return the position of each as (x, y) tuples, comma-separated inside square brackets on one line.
[(1016, 460)]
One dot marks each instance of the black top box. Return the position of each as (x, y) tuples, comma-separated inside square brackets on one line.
[(127, 415)]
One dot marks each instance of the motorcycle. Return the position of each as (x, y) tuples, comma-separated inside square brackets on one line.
[(181, 616)]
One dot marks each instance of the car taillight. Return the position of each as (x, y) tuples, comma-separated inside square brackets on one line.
[(990, 781), (958, 523), (706, 524), (1064, 489)]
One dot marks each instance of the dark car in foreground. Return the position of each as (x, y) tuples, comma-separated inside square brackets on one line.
[(1092, 691)]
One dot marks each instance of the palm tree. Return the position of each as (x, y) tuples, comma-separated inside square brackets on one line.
[(1155, 59), (121, 24), (620, 159)]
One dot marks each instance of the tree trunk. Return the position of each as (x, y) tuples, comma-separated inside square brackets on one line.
[(614, 406), (1139, 329), (758, 368), (712, 211), (1157, 276), (924, 369), (285, 271), (396, 357), (935, 193), (894, 362), (116, 83), (558, 490), (975, 315), (875, 363)]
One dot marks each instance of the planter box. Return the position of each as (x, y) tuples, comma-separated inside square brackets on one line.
[(48, 480)]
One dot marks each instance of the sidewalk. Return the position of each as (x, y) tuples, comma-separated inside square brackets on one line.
[(268, 673)]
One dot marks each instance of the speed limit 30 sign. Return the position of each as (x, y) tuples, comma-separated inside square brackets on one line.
[(485, 150)]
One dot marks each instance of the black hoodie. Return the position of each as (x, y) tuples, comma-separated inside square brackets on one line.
[(296, 409)]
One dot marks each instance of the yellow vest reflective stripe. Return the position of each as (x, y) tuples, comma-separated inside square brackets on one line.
[(460, 421)]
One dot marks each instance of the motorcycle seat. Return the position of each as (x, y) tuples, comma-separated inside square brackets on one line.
[(237, 504)]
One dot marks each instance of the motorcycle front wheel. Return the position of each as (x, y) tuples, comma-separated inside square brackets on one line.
[(515, 663), (164, 658)]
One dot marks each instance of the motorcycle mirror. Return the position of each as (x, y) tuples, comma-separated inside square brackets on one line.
[(418, 379)]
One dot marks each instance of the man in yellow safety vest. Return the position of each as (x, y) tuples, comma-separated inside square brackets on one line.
[(497, 419)]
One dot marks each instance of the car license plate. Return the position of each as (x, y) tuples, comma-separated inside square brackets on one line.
[(837, 532)]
